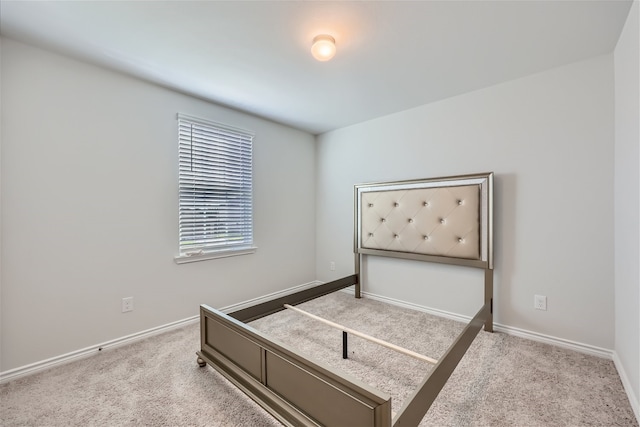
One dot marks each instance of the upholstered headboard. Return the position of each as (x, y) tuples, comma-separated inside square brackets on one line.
[(446, 220)]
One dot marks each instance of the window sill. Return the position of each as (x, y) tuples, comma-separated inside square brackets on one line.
[(203, 256)]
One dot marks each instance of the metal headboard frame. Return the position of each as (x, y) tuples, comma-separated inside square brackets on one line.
[(484, 181), (485, 261)]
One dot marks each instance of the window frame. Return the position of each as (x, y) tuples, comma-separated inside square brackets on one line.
[(222, 248)]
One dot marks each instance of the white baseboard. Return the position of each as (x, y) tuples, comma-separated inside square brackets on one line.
[(558, 342), (633, 399), (534, 336), (36, 367), (412, 306)]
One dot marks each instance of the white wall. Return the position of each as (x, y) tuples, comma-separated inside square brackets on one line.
[(627, 205), (89, 208), (549, 139)]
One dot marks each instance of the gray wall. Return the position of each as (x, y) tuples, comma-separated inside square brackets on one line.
[(549, 139), (627, 206), (89, 208)]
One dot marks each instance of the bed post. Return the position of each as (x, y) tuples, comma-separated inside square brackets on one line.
[(488, 298), (358, 277), (356, 245)]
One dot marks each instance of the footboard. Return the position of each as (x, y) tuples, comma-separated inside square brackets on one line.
[(294, 389)]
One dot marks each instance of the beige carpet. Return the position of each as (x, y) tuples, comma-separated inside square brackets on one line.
[(502, 381)]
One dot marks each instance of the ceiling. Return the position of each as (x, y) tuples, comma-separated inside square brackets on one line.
[(255, 55)]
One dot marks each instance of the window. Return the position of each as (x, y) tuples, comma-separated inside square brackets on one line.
[(215, 190)]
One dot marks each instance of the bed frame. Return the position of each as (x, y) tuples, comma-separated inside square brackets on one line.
[(444, 220)]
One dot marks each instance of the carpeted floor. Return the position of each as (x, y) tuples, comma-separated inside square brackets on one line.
[(501, 381)]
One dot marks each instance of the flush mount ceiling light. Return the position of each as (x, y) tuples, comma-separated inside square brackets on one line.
[(323, 47)]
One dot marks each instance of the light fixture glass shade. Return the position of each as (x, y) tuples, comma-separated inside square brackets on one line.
[(323, 48)]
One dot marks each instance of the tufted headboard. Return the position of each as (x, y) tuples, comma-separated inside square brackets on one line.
[(447, 220)]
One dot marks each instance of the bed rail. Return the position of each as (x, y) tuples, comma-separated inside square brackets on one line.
[(273, 306), (423, 397)]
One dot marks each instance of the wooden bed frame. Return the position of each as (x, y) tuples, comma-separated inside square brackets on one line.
[(445, 220)]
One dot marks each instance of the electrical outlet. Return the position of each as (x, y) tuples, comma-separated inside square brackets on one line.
[(540, 302), (332, 266), (127, 304)]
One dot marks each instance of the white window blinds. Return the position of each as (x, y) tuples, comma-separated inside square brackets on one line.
[(215, 186)]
